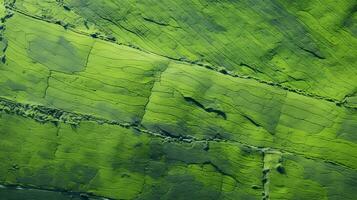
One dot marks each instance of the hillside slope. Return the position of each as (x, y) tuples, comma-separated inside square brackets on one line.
[(178, 99)]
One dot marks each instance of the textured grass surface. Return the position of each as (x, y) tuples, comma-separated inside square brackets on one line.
[(119, 162), (178, 99), (304, 45)]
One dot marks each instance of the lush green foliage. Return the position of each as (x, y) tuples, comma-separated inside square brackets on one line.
[(178, 99)]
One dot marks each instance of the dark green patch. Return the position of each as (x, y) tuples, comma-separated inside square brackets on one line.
[(57, 54)]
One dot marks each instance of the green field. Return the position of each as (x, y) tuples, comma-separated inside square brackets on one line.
[(178, 99)]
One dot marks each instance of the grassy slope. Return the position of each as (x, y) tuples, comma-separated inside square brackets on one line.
[(295, 177), (307, 45), (58, 68), (121, 163)]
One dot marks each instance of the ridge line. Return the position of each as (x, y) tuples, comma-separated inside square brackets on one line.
[(221, 70), (45, 114)]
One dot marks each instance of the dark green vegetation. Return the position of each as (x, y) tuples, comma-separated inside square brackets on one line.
[(178, 99)]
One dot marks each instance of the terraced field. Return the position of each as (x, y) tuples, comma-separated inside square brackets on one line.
[(168, 99)]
